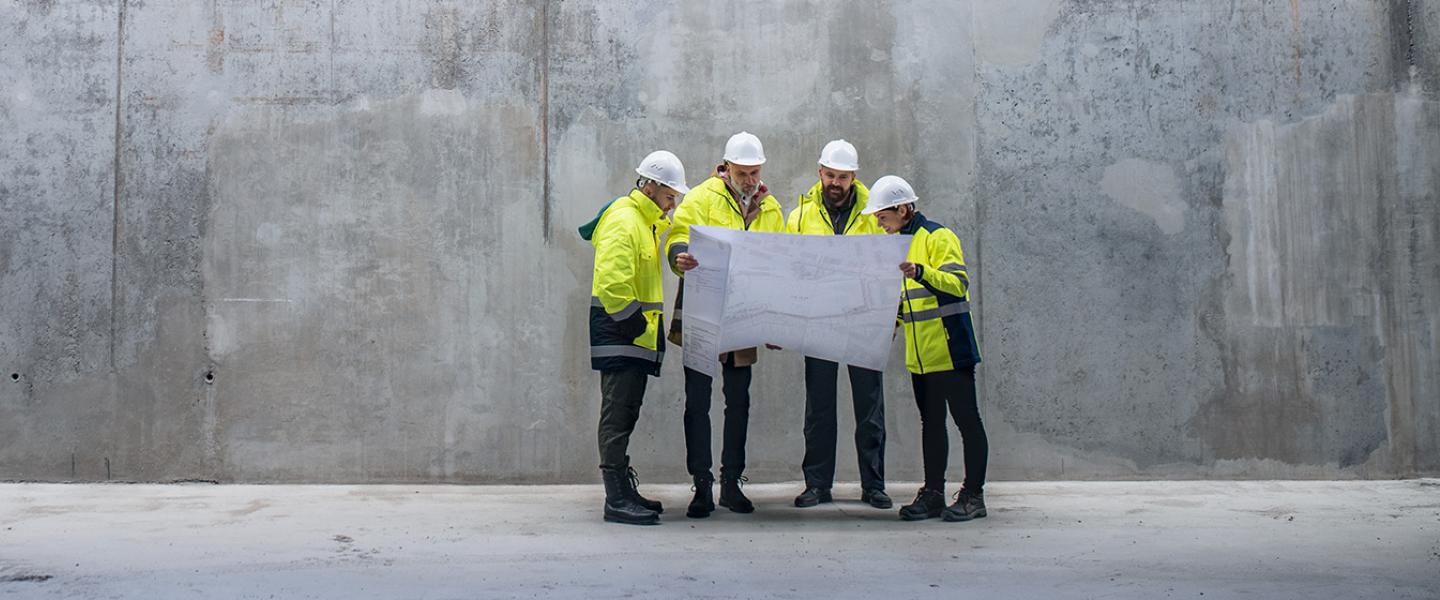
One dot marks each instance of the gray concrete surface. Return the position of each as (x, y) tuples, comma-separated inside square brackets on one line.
[(308, 241), (1257, 539)]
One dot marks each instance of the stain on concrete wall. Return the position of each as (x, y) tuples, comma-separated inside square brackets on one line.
[(1010, 33), (1151, 189), (311, 241), (1303, 311)]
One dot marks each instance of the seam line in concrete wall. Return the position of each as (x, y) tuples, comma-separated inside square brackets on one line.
[(976, 294), (1410, 34), (545, 118), (115, 198)]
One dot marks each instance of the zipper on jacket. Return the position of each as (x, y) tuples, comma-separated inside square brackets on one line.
[(735, 206), (913, 329), (825, 214)]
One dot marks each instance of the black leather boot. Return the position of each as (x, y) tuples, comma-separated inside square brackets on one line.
[(968, 505), (731, 497), (928, 504), (704, 502), (620, 505), (633, 481)]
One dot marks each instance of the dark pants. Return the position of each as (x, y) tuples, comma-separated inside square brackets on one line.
[(621, 393), (933, 393), (735, 382), (869, 399)]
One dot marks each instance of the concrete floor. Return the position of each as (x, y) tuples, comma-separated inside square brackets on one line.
[(1311, 540)]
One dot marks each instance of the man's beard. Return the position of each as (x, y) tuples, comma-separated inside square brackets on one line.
[(748, 195), (835, 194)]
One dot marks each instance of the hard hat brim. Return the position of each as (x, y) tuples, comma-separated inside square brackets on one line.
[(680, 187), (870, 210), (745, 163), (839, 167)]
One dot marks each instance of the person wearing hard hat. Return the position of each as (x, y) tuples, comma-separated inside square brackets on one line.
[(835, 206), (940, 351), (736, 198), (626, 307)]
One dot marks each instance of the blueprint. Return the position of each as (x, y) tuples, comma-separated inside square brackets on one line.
[(830, 297)]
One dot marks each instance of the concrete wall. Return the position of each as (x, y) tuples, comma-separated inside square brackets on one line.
[(334, 240)]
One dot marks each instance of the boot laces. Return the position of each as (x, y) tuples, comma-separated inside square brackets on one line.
[(964, 496)]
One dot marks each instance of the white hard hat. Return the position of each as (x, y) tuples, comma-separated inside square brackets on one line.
[(888, 192), (840, 155), (664, 168), (744, 149)]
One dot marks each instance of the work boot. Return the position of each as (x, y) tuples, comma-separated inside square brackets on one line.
[(620, 504), (704, 502), (813, 496), (876, 498), (968, 505), (633, 482), (731, 497), (928, 504)]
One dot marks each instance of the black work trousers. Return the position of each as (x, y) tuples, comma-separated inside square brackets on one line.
[(868, 393), (934, 392), (621, 394), (735, 384)]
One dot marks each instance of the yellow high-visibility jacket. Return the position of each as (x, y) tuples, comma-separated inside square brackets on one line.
[(812, 218), (935, 310), (712, 204), (627, 301)]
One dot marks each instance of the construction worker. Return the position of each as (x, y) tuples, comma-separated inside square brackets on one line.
[(940, 351), (736, 198), (626, 307), (834, 206)]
